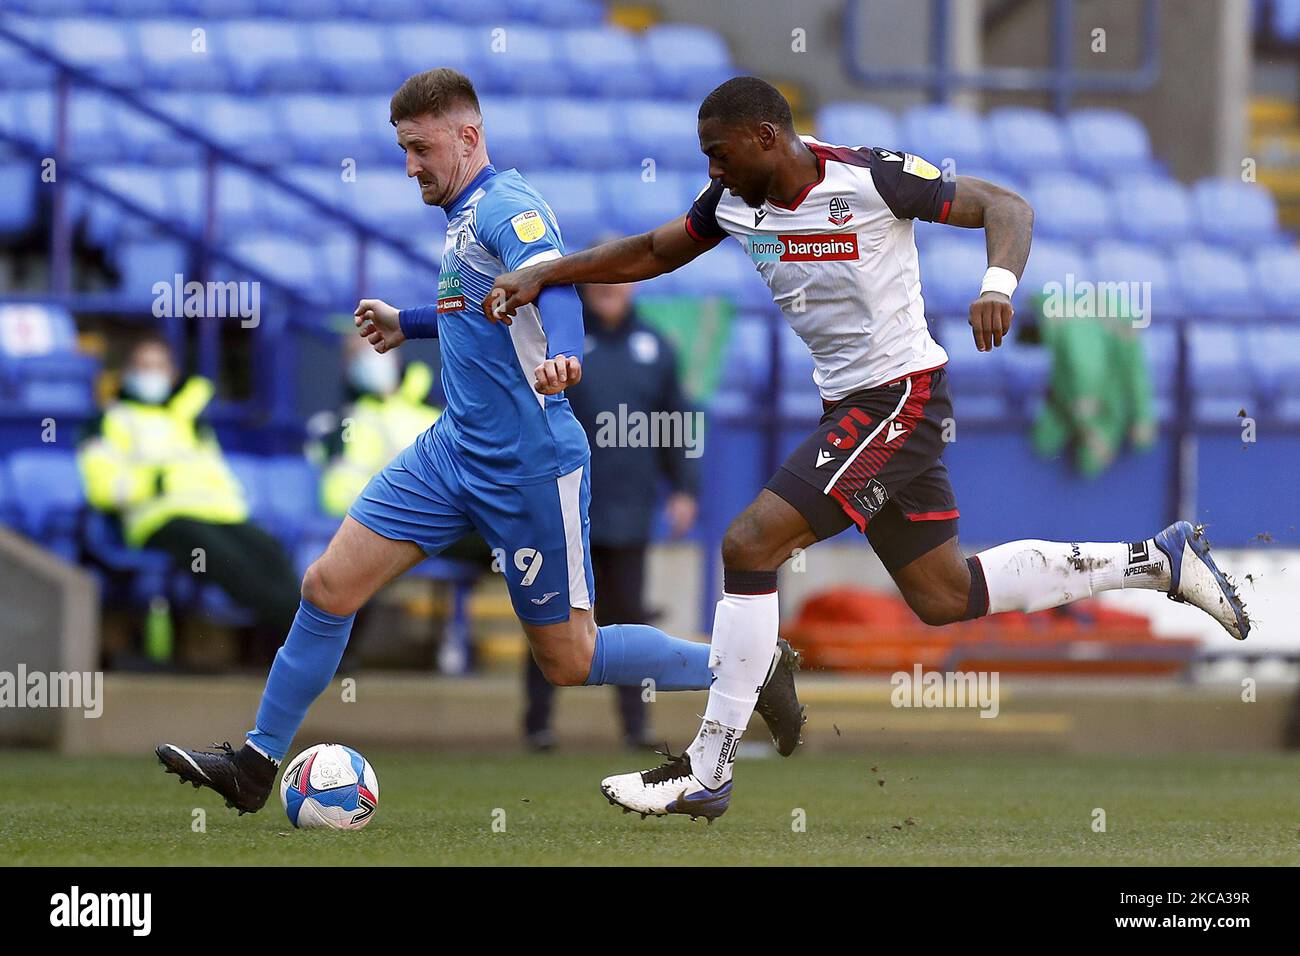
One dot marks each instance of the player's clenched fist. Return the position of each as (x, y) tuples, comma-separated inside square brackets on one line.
[(377, 323), (508, 293), (557, 374), (990, 319)]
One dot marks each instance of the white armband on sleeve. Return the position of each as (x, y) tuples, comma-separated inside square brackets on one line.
[(997, 279)]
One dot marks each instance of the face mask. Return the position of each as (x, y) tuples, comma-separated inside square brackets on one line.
[(374, 373), (151, 387)]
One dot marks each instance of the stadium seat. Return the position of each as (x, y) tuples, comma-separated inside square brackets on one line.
[(664, 132), (389, 202), (143, 261), (937, 133), (288, 262), (422, 46), (1153, 209), (325, 129), (1050, 261), (1104, 142), (978, 378), (586, 133), (104, 47), (18, 183), (355, 56), (951, 271), (50, 498), (1218, 374), (143, 139), (604, 61), (174, 56), (513, 128), (1026, 141), (575, 199), (21, 71), (1121, 261), (747, 367), (1273, 358), (1230, 211), (858, 124), (520, 58), (1215, 283), (267, 55), (1067, 206), (1277, 276), (634, 204), (687, 61), (28, 114)]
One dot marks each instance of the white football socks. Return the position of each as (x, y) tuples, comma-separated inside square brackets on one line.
[(1034, 575), (745, 630)]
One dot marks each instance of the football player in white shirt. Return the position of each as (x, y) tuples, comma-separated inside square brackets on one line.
[(830, 230)]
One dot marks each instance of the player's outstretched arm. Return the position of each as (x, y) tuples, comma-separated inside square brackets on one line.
[(632, 259), (379, 324), (1008, 223)]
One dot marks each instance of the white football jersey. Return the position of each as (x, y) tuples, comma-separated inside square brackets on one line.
[(841, 261)]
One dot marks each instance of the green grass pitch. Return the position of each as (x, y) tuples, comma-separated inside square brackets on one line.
[(440, 809)]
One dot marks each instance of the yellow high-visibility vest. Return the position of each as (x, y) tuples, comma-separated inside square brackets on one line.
[(374, 432), (150, 464)]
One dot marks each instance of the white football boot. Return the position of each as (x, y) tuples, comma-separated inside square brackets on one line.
[(1195, 579), (670, 788)]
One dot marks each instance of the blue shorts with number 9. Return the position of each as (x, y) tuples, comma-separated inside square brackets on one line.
[(538, 532)]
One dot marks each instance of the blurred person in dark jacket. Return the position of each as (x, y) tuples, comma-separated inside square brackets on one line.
[(628, 370)]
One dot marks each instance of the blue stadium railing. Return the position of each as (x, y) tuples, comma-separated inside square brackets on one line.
[(1063, 80)]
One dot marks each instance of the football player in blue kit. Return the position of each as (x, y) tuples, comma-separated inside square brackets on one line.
[(507, 458)]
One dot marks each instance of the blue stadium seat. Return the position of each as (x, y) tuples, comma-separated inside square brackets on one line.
[(1160, 347), (688, 61), (50, 498), (174, 56), (1028, 374), (747, 368), (390, 202), (1027, 141), (355, 56), (324, 129), (520, 58), (142, 139), (140, 185), (247, 124), (634, 205), (28, 114), (290, 262), (977, 378), (1067, 206), (951, 271), (1230, 211), (726, 272), (1105, 142), (513, 128), (1218, 374), (1153, 209), (18, 183), (21, 71), (1277, 276), (107, 48), (575, 199), (422, 46), (664, 132), (1272, 354), (391, 276), (1216, 283), (293, 507), (290, 214), (1050, 261), (937, 133), (605, 61), (267, 55), (143, 261), (336, 265), (586, 133), (858, 124), (797, 397), (1119, 261)]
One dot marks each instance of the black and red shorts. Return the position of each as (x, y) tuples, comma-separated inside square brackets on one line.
[(874, 462)]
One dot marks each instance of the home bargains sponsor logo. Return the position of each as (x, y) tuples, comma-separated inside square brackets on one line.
[(450, 298), (825, 247)]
